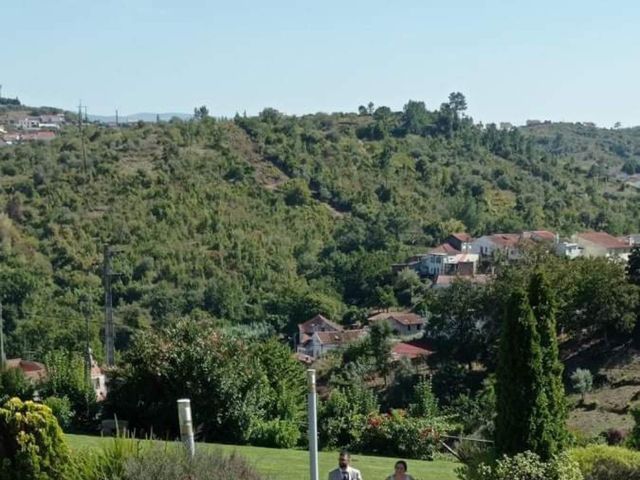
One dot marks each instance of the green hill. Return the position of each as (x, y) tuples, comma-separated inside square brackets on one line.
[(271, 219)]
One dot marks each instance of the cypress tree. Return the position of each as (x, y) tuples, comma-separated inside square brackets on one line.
[(543, 303), (522, 410)]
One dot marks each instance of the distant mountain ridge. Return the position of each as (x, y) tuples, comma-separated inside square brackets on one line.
[(136, 117)]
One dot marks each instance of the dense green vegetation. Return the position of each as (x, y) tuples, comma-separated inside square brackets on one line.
[(271, 219)]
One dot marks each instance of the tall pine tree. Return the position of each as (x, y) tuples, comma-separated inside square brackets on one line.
[(543, 303), (522, 407)]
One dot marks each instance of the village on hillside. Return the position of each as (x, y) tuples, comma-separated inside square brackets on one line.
[(461, 258), (19, 126)]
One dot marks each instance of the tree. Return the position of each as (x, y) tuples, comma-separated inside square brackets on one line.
[(425, 403), (380, 341), (633, 266), (522, 407), (582, 381), (200, 113), (415, 118), (370, 107), (457, 102), (459, 321), (543, 303)]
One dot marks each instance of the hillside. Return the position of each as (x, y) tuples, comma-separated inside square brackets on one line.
[(271, 219)]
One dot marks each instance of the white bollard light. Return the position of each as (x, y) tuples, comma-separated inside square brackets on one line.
[(186, 425), (313, 424)]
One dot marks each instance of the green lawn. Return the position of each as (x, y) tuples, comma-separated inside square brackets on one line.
[(294, 464)]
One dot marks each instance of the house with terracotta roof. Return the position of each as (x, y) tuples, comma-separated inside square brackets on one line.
[(446, 259), (415, 352), (601, 244), (460, 241), (322, 342), (510, 244), (401, 323), (319, 323), (35, 372)]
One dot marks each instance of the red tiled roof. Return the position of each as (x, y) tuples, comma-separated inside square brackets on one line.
[(407, 318), (319, 322), (505, 239), (445, 248), (544, 235), (31, 370), (462, 236), (386, 314), (603, 239), (38, 136), (337, 338), (410, 351)]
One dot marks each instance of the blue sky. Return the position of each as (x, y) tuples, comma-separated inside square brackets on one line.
[(514, 60)]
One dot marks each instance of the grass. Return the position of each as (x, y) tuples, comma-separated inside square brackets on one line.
[(294, 464)]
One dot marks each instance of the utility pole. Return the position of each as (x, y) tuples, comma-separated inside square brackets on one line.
[(3, 358), (87, 348), (117, 124), (84, 150), (109, 330)]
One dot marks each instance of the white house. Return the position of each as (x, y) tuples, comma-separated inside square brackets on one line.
[(569, 250), (446, 260), (510, 244), (318, 323), (632, 239), (601, 244), (322, 342), (401, 323)]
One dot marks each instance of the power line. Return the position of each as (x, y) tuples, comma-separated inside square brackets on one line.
[(109, 328), (108, 307), (84, 150)]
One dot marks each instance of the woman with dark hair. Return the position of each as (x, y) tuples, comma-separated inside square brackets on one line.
[(400, 472)]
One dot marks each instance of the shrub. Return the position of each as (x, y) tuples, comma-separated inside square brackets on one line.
[(400, 435), (276, 433), (582, 381), (107, 463), (601, 462), (31, 443), (13, 383), (614, 436), (61, 408), (167, 463), (525, 466)]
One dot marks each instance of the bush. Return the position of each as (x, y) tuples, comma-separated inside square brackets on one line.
[(276, 433), (396, 434), (31, 443), (173, 464), (108, 463), (13, 383), (524, 466), (601, 462), (614, 436), (61, 408)]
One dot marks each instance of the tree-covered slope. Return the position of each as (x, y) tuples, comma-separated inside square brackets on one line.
[(266, 219)]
